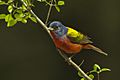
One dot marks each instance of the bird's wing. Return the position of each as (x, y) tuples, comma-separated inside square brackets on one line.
[(77, 37)]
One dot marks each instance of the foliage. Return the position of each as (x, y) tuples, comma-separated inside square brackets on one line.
[(96, 69), (56, 4), (17, 12)]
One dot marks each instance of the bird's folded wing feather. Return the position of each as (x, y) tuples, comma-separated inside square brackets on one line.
[(77, 37)]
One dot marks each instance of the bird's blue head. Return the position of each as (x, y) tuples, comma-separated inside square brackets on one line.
[(58, 28)]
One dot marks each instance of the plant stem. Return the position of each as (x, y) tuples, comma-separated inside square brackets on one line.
[(98, 75), (81, 63), (49, 11), (39, 20), (69, 60)]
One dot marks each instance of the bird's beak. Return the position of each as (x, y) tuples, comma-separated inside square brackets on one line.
[(51, 29)]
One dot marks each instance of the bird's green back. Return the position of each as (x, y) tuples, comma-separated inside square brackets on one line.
[(77, 37)]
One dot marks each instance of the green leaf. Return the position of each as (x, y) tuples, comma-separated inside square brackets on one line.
[(104, 69), (10, 1), (93, 71), (33, 19), (96, 67), (39, 0), (24, 0), (8, 18), (24, 8), (82, 79), (91, 76), (10, 8), (79, 74), (18, 10), (28, 2), (11, 23), (57, 8), (61, 3), (2, 16), (18, 17), (2, 2), (27, 15), (24, 20), (21, 15)]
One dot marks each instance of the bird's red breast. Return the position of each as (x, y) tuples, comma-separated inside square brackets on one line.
[(65, 44)]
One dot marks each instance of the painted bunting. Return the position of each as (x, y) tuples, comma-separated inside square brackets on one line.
[(69, 40)]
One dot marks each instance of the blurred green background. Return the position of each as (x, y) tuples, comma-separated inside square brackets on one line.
[(28, 53)]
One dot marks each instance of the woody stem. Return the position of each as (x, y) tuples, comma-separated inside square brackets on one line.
[(72, 63), (69, 60)]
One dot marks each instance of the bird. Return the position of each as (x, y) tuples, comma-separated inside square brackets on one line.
[(70, 40)]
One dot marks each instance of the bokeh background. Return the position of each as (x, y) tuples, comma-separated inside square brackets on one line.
[(28, 53)]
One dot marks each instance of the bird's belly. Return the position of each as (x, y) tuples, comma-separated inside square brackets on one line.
[(67, 46), (70, 48)]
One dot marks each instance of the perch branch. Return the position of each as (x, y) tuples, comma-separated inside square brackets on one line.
[(69, 60)]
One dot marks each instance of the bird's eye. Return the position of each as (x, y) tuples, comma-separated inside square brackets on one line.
[(55, 27)]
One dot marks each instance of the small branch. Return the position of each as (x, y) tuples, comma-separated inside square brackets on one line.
[(69, 60), (49, 11), (98, 75), (81, 63), (39, 20), (79, 69)]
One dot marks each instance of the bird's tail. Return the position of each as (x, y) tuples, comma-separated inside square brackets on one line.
[(89, 46)]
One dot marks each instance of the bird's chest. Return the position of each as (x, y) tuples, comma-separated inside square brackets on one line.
[(60, 41), (64, 44)]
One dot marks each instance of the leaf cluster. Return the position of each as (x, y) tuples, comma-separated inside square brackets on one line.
[(16, 13), (96, 69), (56, 4)]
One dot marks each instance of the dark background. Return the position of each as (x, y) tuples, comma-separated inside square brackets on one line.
[(28, 53)]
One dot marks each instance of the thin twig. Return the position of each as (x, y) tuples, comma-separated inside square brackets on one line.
[(49, 11), (98, 75), (39, 20), (81, 63), (69, 60)]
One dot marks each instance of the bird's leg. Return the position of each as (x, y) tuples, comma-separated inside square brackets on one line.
[(63, 54), (67, 59)]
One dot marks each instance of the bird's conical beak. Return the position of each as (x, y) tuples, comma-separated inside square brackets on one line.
[(51, 29)]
